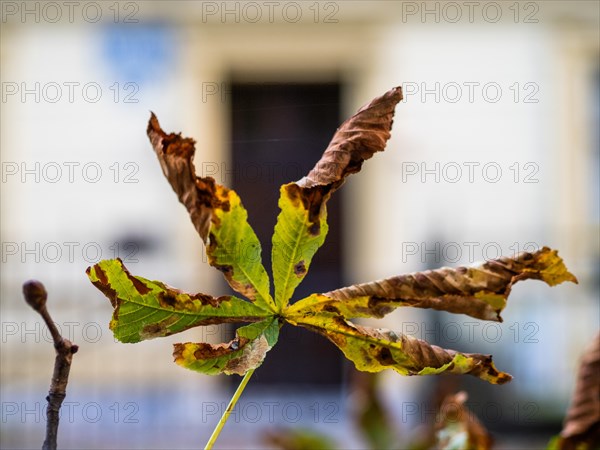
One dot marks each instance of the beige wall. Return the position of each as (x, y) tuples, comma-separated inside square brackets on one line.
[(371, 48)]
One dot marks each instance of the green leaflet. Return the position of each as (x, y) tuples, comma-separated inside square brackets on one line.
[(234, 249), (348, 309), (217, 215), (302, 224), (147, 309), (374, 350), (300, 231), (246, 351)]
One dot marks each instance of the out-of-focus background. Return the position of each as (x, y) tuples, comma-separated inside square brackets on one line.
[(495, 150)]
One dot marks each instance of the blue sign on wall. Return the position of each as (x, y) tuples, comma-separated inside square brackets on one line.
[(139, 53)]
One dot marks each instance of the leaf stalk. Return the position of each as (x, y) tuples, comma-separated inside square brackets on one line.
[(237, 394)]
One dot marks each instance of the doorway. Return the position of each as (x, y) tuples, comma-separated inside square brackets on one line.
[(279, 131)]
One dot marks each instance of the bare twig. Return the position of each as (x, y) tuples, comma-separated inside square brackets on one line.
[(36, 295)]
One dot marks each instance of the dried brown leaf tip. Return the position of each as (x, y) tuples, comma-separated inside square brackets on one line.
[(479, 292), (217, 215), (176, 155), (355, 141)]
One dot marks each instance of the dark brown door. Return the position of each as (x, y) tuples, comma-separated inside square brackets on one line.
[(279, 132)]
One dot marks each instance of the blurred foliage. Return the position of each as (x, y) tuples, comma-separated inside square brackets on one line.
[(298, 439)]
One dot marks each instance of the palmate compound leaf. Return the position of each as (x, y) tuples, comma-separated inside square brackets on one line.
[(220, 219), (302, 224), (479, 292), (145, 309), (217, 214)]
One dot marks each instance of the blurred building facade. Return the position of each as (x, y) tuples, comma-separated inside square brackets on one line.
[(494, 151)]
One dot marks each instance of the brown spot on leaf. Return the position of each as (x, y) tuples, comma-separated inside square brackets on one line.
[(384, 356), (300, 269), (379, 306), (101, 274), (175, 145), (314, 229), (171, 144), (504, 377), (104, 286), (208, 351), (154, 329), (330, 308), (167, 299), (158, 329), (293, 193), (178, 351), (206, 190), (226, 269), (225, 206), (137, 284), (337, 337), (484, 368), (313, 199), (209, 300), (175, 299), (526, 256)]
